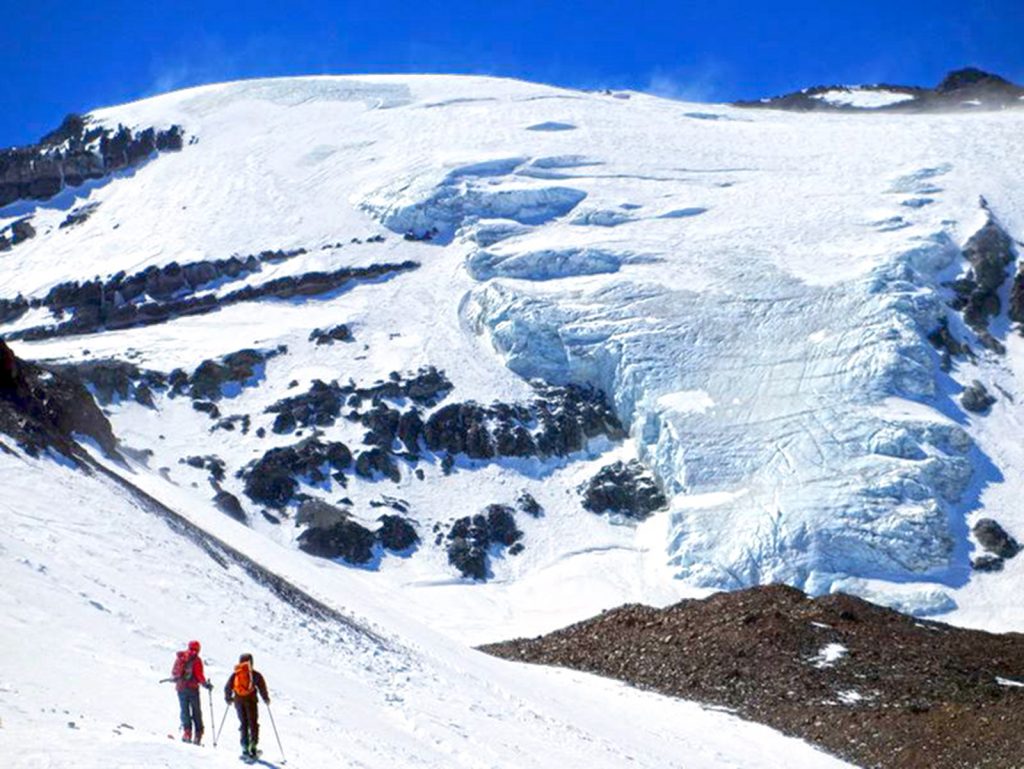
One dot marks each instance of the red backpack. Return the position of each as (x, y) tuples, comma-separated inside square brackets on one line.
[(182, 670)]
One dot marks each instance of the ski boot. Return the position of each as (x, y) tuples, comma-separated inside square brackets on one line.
[(186, 735), (198, 740)]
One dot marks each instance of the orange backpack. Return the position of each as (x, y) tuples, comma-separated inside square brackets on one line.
[(244, 684)]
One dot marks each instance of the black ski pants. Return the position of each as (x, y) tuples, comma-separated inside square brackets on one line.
[(248, 720)]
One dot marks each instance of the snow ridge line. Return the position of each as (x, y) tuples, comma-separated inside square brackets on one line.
[(222, 553)]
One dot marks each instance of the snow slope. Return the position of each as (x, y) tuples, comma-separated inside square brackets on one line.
[(100, 593), (865, 98), (753, 292)]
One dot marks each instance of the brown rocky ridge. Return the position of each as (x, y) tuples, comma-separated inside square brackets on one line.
[(868, 684)]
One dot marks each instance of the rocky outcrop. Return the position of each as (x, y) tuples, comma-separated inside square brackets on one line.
[(273, 480), (346, 540), (470, 540), (158, 294), (321, 405), (319, 514), (948, 345), (963, 89), (339, 333), (397, 533), (976, 398), (990, 253), (1016, 309), (227, 375), (557, 423), (375, 463), (41, 408), (228, 504), (75, 153), (994, 539), (525, 503), (627, 489), (16, 233), (211, 463), (112, 380), (884, 695)]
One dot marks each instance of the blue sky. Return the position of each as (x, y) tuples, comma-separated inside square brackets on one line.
[(57, 57)]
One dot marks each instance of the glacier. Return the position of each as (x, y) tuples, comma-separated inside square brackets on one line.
[(752, 290)]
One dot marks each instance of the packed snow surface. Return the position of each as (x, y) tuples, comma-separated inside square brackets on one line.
[(98, 595), (752, 290)]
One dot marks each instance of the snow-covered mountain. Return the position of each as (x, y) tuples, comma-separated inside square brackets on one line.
[(507, 355), (968, 89)]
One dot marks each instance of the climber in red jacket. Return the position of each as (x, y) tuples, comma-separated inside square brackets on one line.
[(188, 676)]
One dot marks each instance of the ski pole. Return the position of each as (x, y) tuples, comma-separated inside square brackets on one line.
[(210, 692), (271, 712), (216, 734)]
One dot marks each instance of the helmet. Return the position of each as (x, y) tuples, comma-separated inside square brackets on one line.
[(245, 657), (193, 646)]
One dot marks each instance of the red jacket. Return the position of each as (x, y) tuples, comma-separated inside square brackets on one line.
[(188, 671)]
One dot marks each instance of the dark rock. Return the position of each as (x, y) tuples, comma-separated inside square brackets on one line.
[(469, 559), (75, 153), (320, 514), (943, 340), (989, 252), (270, 518), (43, 408), (158, 294), (210, 409), (966, 77), (228, 504), (213, 378), (115, 380), (564, 418), (320, 406), (987, 563), (230, 422), (273, 479), (283, 423), (79, 215), (994, 539), (346, 540), (1016, 310), (375, 461), (382, 423), (339, 333), (976, 397), (215, 465), (626, 489), (501, 524), (470, 539), (20, 231), (410, 430), (527, 504), (397, 533)]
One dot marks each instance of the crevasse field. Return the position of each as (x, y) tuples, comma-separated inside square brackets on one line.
[(751, 289)]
